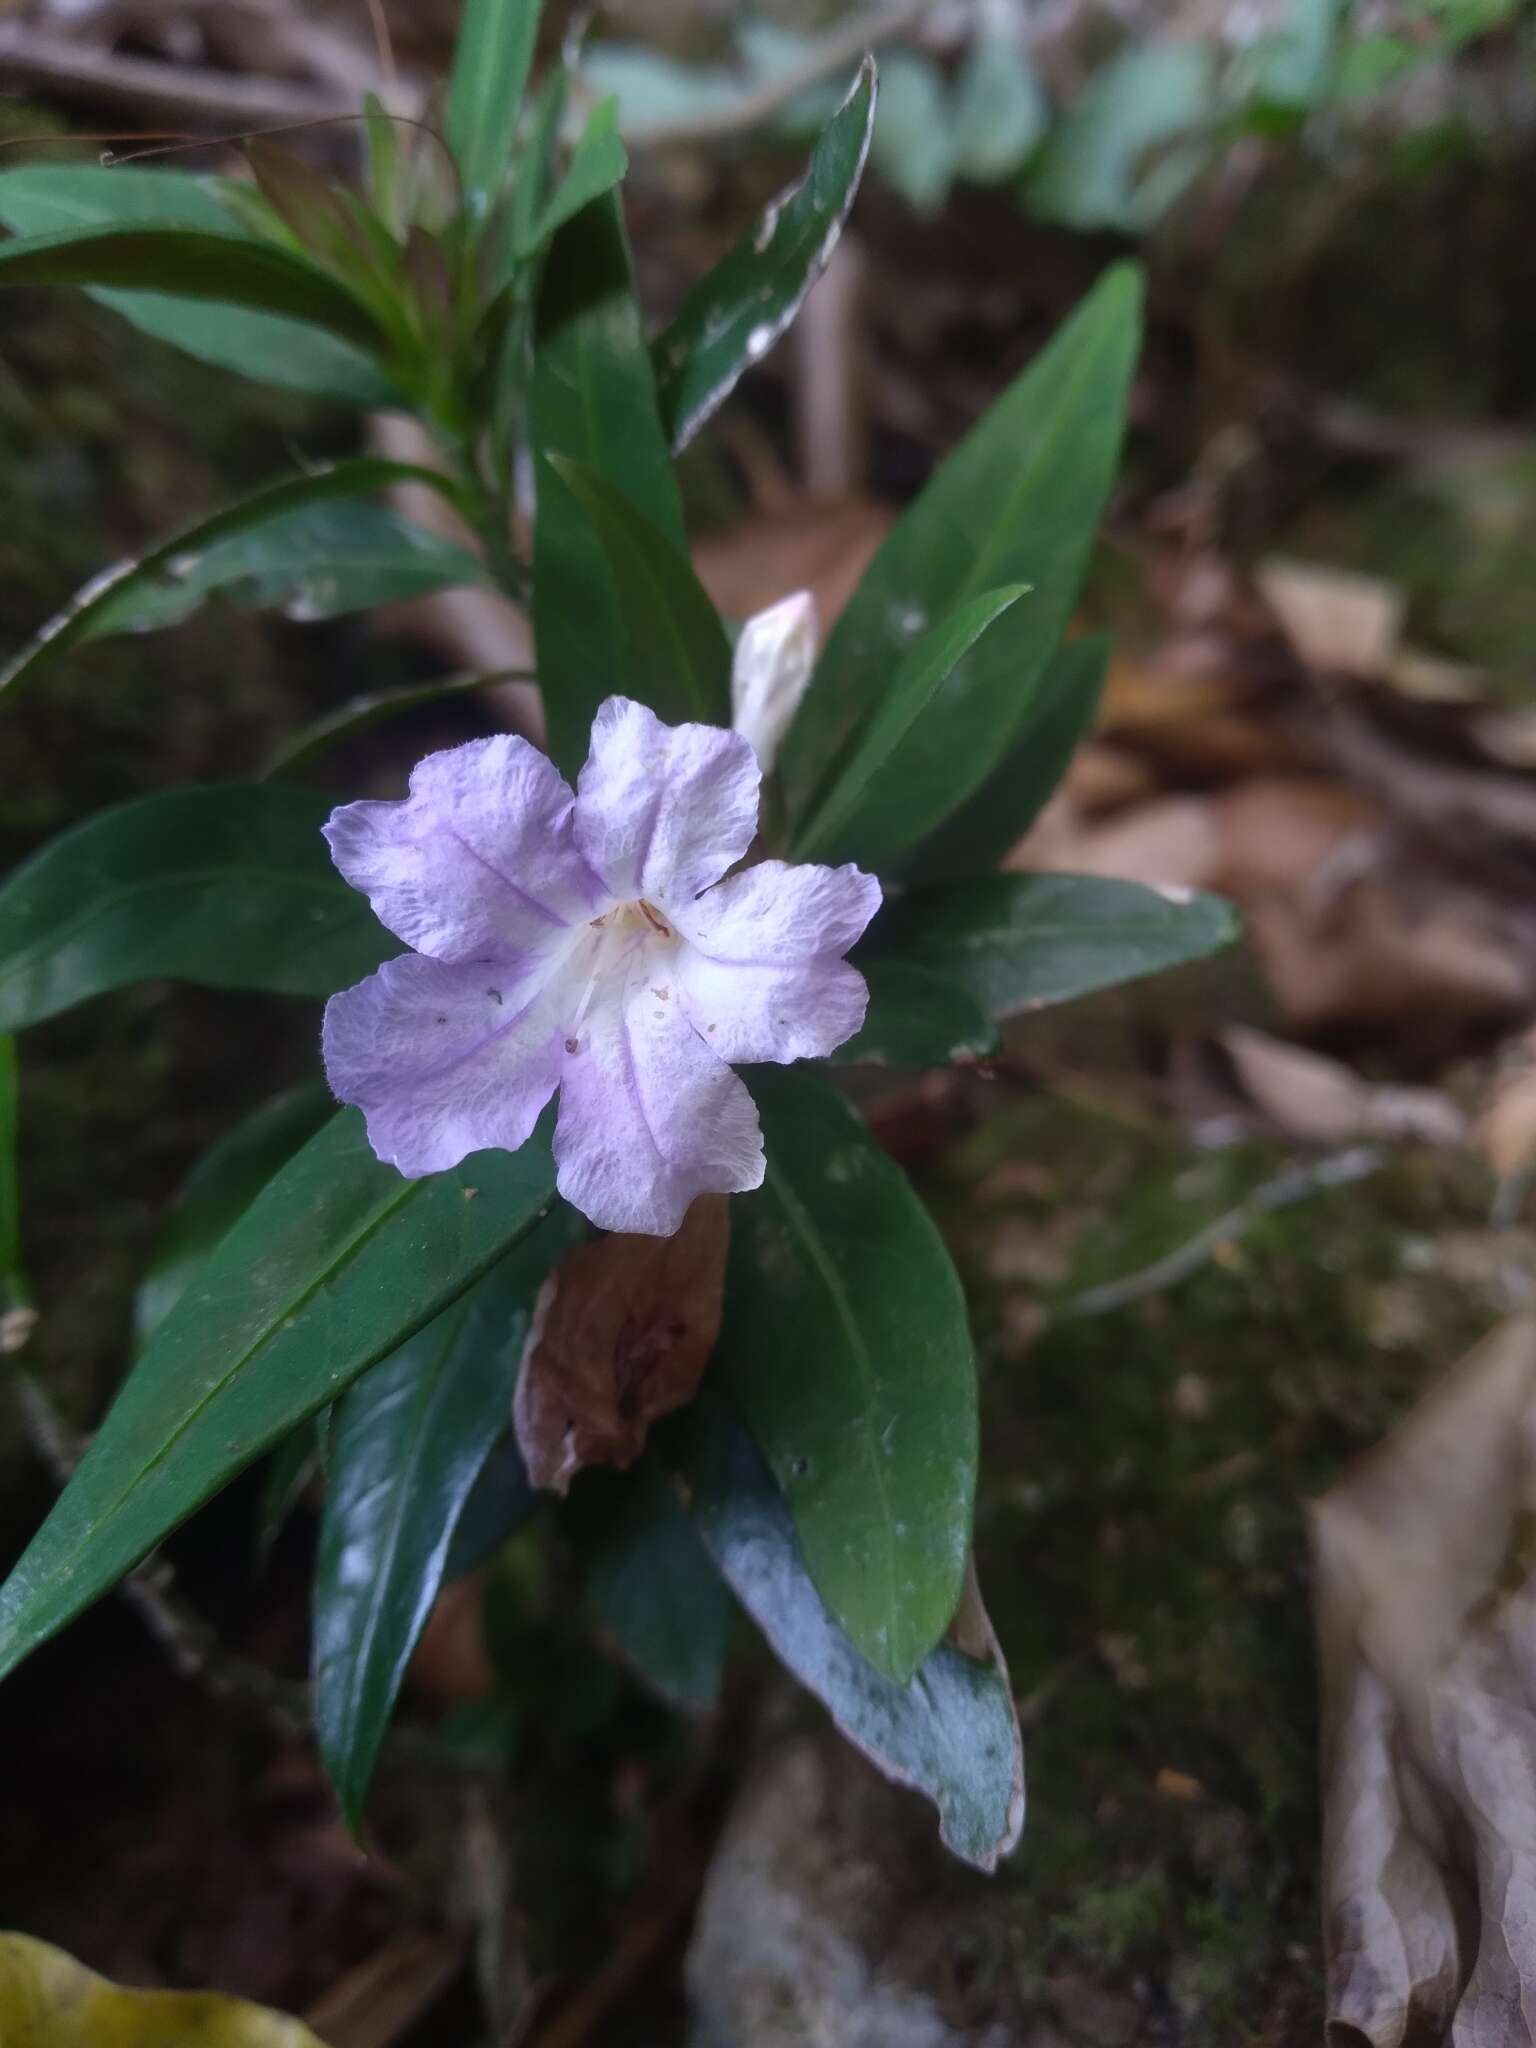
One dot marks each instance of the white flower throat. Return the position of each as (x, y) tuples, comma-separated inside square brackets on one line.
[(611, 943)]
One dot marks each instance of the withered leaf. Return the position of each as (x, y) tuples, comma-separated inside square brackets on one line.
[(48, 2000), (1425, 1595), (621, 1334)]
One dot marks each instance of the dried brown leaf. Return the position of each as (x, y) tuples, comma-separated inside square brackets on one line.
[(621, 1335), (1506, 1131), (823, 548), (1319, 1099), (1425, 1597), (1334, 618)]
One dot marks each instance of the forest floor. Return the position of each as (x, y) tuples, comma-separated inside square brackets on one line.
[(1151, 1434)]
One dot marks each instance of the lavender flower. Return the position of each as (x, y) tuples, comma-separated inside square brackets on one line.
[(588, 944)]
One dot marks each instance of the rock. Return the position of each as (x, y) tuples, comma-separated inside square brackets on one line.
[(823, 1900)]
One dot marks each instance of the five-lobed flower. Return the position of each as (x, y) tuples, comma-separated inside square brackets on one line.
[(595, 943)]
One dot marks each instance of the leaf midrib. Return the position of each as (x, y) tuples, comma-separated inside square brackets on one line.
[(979, 575), (293, 1307), (800, 1223), (430, 1387)]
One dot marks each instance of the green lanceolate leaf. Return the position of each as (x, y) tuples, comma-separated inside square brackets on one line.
[(225, 884), (1133, 139), (898, 780), (409, 1440), (677, 658), (90, 611), (998, 815), (592, 399), (598, 162), (317, 561), (534, 180), (916, 1019), (189, 263), (949, 1731), (1021, 942), (289, 1469), (485, 91), (652, 1583), (1018, 500), (500, 1501), (219, 1189), (733, 316), (845, 1345), (337, 1262), (377, 707), (39, 199)]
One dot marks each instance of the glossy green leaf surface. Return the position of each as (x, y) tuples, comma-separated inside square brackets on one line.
[(597, 164), (676, 656), (652, 1583), (1020, 942), (500, 1501), (82, 618), (734, 315), (899, 779), (949, 1731), (916, 1019), (289, 1469), (219, 1189), (318, 561), (976, 837), (226, 884), (190, 263), (846, 1347), (1018, 501), (485, 91), (593, 399), (40, 199), (410, 1439), (337, 1262)]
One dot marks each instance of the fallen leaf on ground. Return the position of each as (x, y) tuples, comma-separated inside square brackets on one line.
[(377, 2004), (48, 2000), (823, 548), (1334, 618), (1425, 1599), (1351, 925), (621, 1335), (1172, 842), (1320, 1099), (1506, 1131)]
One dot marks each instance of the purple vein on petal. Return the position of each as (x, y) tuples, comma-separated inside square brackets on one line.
[(632, 1079), (540, 909), (457, 1059)]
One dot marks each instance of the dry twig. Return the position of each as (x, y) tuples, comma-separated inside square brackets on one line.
[(1338, 1170)]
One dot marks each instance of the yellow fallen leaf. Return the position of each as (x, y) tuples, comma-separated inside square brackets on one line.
[(48, 2000)]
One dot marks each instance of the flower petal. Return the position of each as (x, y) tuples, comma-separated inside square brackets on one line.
[(774, 1013), (444, 1060), (772, 665), (760, 969), (649, 1117), (480, 861), (663, 810)]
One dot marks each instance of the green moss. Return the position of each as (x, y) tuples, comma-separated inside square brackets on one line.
[(1141, 1539)]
